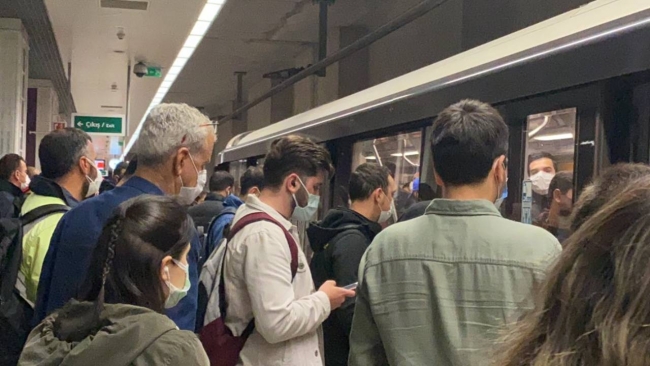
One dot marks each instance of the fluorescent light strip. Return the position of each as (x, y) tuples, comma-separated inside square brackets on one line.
[(557, 136), (406, 153), (207, 16)]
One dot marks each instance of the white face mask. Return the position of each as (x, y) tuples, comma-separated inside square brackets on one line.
[(305, 213), (187, 195), (176, 294), (93, 187), (25, 185), (541, 181), (386, 215)]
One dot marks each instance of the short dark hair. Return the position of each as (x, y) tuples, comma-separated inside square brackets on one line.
[(542, 155), (221, 180), (121, 168), (562, 181), (366, 178), (295, 154), (9, 164), (467, 137), (131, 247), (60, 151), (252, 177), (604, 188)]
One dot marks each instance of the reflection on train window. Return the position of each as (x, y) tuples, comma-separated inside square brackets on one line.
[(401, 154), (260, 162), (550, 149), (237, 169)]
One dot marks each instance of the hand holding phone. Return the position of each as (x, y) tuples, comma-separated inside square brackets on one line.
[(352, 286)]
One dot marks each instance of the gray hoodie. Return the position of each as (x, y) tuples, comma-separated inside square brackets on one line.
[(125, 335)]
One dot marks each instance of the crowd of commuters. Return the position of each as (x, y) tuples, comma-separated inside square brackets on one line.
[(114, 276)]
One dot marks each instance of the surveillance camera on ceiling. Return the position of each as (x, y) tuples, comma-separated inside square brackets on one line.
[(120, 33), (140, 69)]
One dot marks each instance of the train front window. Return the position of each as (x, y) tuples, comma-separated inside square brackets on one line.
[(550, 150), (401, 154)]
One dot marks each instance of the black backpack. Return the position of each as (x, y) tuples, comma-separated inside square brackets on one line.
[(15, 312)]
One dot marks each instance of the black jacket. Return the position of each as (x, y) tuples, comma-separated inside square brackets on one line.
[(203, 213), (9, 194), (339, 242), (414, 211)]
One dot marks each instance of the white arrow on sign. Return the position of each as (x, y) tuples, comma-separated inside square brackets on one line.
[(80, 124)]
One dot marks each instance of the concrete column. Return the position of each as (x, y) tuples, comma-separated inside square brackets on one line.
[(47, 112), (14, 63)]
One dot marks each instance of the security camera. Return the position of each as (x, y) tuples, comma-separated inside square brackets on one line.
[(140, 69), (120, 33)]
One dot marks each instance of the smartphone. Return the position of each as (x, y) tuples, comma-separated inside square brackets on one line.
[(352, 286)]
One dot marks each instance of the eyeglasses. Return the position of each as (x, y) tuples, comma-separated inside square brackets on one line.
[(213, 124)]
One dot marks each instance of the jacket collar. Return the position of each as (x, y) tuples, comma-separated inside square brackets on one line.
[(46, 187), (255, 203), (6, 186), (447, 207), (213, 196), (143, 186)]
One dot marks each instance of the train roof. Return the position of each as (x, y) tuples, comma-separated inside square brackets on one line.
[(594, 42)]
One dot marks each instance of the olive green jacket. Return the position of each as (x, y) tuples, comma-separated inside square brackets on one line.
[(126, 335), (440, 289)]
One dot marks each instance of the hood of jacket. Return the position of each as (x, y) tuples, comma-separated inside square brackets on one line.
[(46, 187), (232, 201), (337, 221), (122, 334)]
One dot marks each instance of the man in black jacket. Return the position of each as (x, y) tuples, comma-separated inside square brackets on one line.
[(221, 184), (339, 242), (13, 182)]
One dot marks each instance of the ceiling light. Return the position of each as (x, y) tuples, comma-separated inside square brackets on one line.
[(370, 157), (553, 137), (186, 52), (209, 13), (200, 28), (406, 153)]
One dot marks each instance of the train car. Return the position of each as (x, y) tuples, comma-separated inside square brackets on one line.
[(576, 86)]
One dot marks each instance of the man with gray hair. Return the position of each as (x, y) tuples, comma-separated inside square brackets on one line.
[(175, 143)]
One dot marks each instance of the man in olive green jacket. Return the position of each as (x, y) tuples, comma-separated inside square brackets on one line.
[(440, 289)]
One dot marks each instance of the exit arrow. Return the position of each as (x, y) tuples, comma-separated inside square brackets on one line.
[(80, 124)]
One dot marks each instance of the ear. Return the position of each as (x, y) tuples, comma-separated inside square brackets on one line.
[(438, 180), (292, 183), (557, 195), (254, 190), (164, 275), (376, 194), (179, 160)]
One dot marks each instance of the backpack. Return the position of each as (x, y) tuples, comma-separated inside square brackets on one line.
[(16, 312), (220, 344), (217, 231)]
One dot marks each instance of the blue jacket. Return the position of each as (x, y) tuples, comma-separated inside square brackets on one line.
[(215, 233), (72, 245)]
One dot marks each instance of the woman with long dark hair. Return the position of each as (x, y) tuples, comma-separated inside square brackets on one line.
[(139, 268), (594, 308)]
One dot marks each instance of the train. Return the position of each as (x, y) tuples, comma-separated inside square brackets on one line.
[(576, 86)]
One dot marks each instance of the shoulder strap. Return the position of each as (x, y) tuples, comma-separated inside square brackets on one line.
[(249, 219), (42, 211)]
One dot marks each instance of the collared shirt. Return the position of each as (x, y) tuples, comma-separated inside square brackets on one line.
[(439, 289), (258, 284), (69, 198), (73, 243)]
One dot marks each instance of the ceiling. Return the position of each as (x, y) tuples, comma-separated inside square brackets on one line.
[(86, 35), (260, 36)]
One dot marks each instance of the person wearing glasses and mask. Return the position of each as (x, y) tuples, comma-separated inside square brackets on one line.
[(174, 145), (436, 289), (138, 270), (340, 240), (264, 285)]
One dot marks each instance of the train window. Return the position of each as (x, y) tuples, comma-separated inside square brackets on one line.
[(237, 169), (550, 149), (401, 154), (260, 162)]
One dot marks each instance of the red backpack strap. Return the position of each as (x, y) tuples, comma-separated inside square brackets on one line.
[(263, 216)]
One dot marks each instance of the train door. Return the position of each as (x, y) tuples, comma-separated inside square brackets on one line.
[(554, 137)]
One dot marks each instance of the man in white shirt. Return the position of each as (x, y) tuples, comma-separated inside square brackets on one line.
[(258, 279)]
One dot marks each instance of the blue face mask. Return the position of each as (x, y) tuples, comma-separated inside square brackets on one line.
[(305, 213)]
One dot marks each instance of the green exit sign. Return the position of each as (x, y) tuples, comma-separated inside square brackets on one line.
[(99, 125), (154, 72)]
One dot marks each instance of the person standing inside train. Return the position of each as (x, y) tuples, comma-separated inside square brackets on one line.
[(436, 290), (339, 242), (259, 286), (542, 167), (174, 145)]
